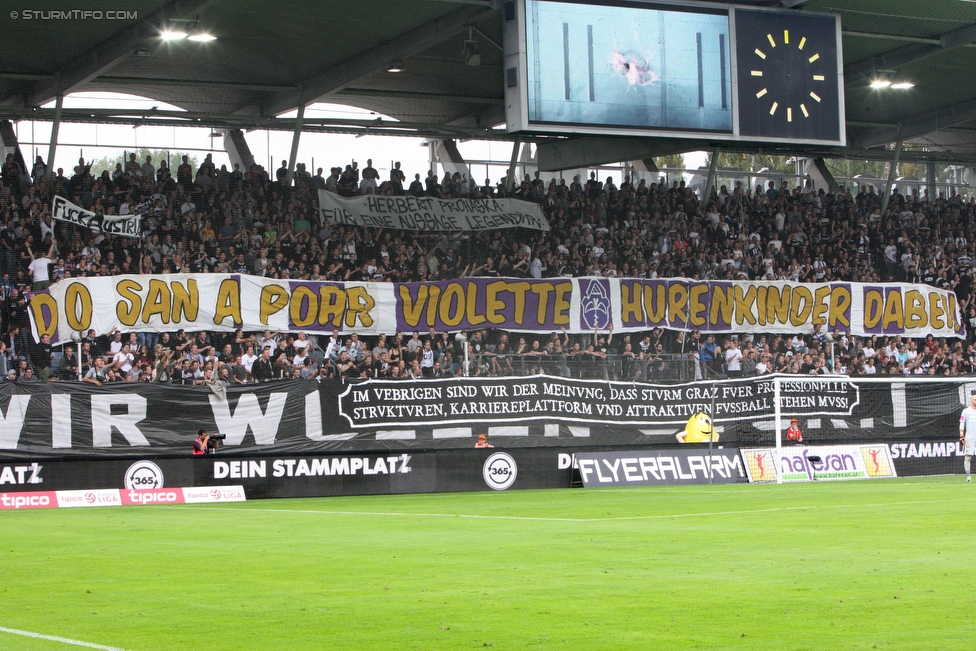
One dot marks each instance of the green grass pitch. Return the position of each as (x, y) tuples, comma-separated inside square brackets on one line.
[(885, 564)]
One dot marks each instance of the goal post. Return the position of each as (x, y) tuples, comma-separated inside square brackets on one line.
[(857, 426)]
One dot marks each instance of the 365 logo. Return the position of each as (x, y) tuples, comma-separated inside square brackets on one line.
[(143, 475), (500, 471)]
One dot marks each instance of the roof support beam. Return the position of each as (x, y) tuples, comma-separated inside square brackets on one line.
[(193, 83), (106, 55), (909, 54), (919, 125), (793, 4), (405, 94), (376, 59)]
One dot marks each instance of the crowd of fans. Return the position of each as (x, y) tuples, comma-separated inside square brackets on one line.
[(220, 220)]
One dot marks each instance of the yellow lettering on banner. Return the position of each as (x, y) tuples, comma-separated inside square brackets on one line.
[(894, 311), (44, 326), (332, 306), (655, 303), (158, 301), (435, 292), (75, 294), (820, 305), (519, 289), (359, 305), (951, 312), (273, 300), (453, 297), (801, 304), (631, 313), (915, 316), (228, 302), (303, 296), (778, 305), (471, 305), (562, 304), (936, 311), (413, 309), (492, 304), (186, 301), (840, 302), (677, 302), (131, 304), (744, 302), (873, 309), (543, 290), (723, 305), (761, 305), (695, 305)]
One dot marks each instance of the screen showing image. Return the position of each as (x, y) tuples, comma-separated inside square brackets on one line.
[(639, 66)]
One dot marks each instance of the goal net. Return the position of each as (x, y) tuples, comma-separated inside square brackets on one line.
[(855, 427)]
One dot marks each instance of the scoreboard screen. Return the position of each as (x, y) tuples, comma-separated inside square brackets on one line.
[(672, 69)]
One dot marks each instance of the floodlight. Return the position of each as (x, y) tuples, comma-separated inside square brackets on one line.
[(903, 85), (396, 66), (172, 35), (200, 36), (880, 83)]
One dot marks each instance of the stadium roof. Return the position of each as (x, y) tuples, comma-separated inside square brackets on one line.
[(269, 57)]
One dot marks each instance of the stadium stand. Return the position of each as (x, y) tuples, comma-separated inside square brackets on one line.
[(220, 220)]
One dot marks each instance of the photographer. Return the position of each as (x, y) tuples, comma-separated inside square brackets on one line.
[(201, 443)]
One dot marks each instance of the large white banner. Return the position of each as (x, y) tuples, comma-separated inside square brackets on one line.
[(580, 305), (407, 213), (126, 225)]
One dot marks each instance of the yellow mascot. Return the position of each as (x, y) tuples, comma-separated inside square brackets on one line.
[(698, 430)]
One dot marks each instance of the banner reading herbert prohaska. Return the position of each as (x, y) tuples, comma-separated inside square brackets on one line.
[(126, 225), (389, 403), (429, 214)]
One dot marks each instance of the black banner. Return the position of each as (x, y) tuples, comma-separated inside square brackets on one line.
[(304, 475), (660, 467), (55, 420), (384, 403), (917, 457)]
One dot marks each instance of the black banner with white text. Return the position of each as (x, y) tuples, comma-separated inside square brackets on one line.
[(49, 420)]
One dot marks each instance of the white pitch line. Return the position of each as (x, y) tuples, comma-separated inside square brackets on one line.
[(62, 640), (607, 519)]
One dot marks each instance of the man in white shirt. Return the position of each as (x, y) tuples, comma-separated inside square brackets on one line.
[(123, 359), (967, 434), (268, 340), (40, 275), (248, 359), (733, 359)]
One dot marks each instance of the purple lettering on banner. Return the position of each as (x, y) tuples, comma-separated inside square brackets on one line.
[(529, 305)]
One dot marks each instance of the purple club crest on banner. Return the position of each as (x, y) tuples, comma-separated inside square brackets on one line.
[(595, 308)]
